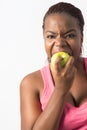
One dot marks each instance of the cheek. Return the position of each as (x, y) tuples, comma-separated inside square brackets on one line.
[(48, 48), (77, 50)]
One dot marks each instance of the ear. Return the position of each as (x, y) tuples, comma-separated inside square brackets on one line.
[(81, 50), (49, 59), (81, 44), (81, 39)]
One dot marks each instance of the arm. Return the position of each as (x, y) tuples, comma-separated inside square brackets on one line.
[(29, 102), (32, 116)]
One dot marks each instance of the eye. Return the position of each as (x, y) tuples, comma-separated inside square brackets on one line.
[(50, 36), (71, 35)]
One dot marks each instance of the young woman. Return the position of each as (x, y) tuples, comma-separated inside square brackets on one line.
[(56, 98)]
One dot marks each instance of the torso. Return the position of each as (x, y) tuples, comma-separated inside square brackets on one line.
[(78, 92)]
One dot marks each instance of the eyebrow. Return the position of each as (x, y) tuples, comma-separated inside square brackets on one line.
[(71, 30), (50, 32)]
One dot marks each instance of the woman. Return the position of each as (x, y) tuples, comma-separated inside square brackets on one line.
[(56, 98)]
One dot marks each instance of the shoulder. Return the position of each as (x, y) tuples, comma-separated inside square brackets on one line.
[(32, 82), (30, 92)]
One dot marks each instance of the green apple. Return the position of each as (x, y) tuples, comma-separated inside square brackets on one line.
[(65, 57)]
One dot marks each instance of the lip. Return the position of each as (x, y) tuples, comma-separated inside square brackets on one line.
[(69, 51)]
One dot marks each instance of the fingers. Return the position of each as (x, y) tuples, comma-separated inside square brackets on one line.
[(63, 75), (67, 70), (56, 66), (70, 68), (69, 64)]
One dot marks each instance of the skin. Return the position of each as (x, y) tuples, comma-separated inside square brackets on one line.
[(61, 33)]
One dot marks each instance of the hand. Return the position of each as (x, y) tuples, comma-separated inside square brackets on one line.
[(63, 76)]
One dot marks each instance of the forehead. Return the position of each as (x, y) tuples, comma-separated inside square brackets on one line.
[(61, 21)]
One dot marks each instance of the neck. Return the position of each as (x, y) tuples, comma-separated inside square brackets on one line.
[(79, 64)]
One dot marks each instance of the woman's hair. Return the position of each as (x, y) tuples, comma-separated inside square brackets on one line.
[(68, 8)]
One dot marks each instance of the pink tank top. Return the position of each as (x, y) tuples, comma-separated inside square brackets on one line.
[(73, 118)]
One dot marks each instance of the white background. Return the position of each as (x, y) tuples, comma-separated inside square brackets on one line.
[(22, 50)]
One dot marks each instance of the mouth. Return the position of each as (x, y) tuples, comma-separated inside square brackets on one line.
[(69, 51)]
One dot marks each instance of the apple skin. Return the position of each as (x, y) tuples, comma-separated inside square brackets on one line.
[(65, 57)]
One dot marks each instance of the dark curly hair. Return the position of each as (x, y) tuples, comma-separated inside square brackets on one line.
[(69, 9)]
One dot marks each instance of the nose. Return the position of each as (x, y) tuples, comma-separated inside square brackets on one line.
[(60, 41)]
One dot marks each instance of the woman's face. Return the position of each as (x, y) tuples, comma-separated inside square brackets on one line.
[(62, 33)]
